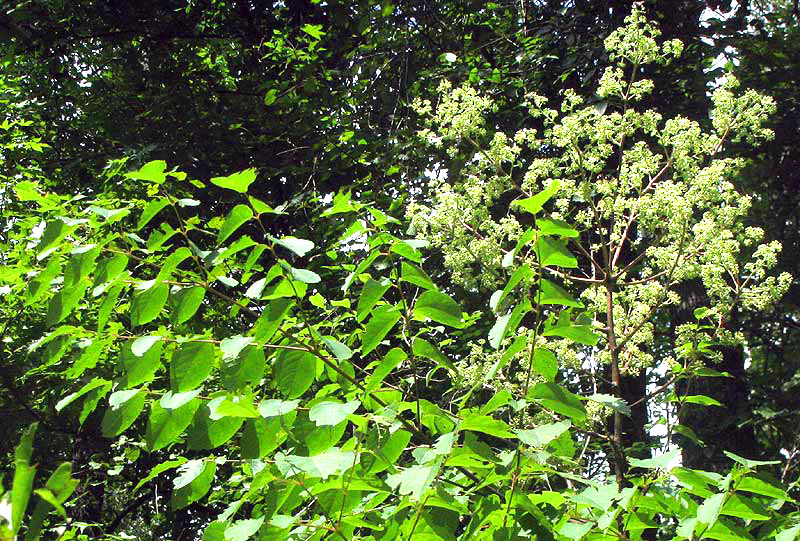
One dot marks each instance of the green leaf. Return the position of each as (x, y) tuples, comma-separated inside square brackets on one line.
[(270, 96), (58, 488), (697, 399), (578, 333), (247, 368), (331, 413), (299, 246), (171, 400), (762, 484), (749, 463), (486, 425), (523, 240), (323, 465), (24, 473), (146, 305), (542, 435), (405, 249), (242, 530), (191, 365), (559, 228), (275, 408), (709, 510), (306, 276), (235, 406), (521, 274), (150, 211), (165, 425), (743, 507), (415, 275), (661, 462), (140, 369), (207, 433), (388, 363), (557, 398), (64, 302), (383, 319), (70, 398), (545, 364), (534, 204), (151, 171), (238, 216), (158, 470), (789, 534), (554, 253), (313, 30), (388, 454), (233, 345), (339, 350), (124, 408), (610, 401), (193, 482), (414, 481), (422, 348), (271, 319), (294, 372), (371, 293), (238, 182), (550, 293), (498, 331), (262, 436), (142, 345), (438, 307), (53, 234)]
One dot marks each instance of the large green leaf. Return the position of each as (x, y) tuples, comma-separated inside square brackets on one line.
[(294, 372), (385, 456), (207, 433), (542, 435), (242, 530), (422, 348), (299, 246), (388, 363), (147, 304), (58, 488), (383, 319), (166, 425), (54, 232), (153, 207), (332, 413), (486, 425), (555, 397), (185, 302), (190, 365), (371, 293), (247, 368), (438, 307), (238, 216), (415, 275), (554, 252), (140, 368), (535, 203), (152, 171), (24, 473), (550, 293), (123, 409), (323, 465), (238, 182), (193, 482), (262, 436), (271, 319)]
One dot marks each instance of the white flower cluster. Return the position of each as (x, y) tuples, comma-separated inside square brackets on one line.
[(653, 197)]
